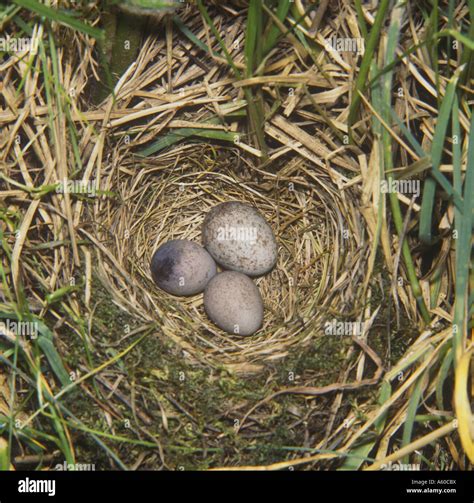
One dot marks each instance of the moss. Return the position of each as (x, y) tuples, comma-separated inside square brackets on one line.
[(203, 406)]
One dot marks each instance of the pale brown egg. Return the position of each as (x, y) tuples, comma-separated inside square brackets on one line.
[(233, 302), (239, 238)]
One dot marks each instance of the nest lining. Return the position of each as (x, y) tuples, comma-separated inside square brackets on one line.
[(168, 197)]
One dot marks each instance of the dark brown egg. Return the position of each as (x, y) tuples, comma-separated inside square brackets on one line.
[(182, 267)]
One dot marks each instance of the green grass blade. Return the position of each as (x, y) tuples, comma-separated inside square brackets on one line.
[(361, 452), (464, 250), (426, 213), (58, 294), (4, 455), (190, 35), (411, 413), (361, 20), (396, 61), (255, 115), (63, 440), (466, 40), (457, 156), (30, 433), (442, 376), (253, 32), (54, 360), (367, 60), (427, 204), (59, 17), (440, 135), (46, 344), (408, 134), (181, 133), (433, 24), (210, 23), (274, 32), (386, 99)]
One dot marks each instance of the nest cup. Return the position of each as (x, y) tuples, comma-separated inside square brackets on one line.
[(166, 198)]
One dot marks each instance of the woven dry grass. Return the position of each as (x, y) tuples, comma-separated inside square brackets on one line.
[(321, 257), (319, 194)]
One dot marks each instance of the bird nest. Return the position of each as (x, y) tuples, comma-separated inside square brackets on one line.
[(320, 247)]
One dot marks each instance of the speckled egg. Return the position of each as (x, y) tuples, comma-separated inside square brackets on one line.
[(233, 302), (182, 267), (239, 238)]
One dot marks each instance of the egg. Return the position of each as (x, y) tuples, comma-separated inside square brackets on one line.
[(182, 267), (239, 238), (233, 302)]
